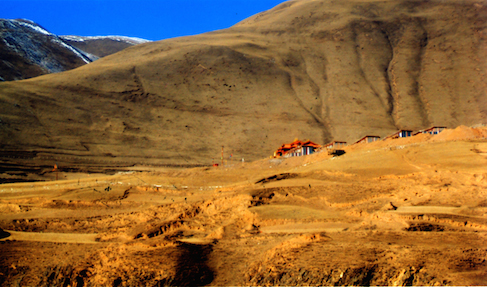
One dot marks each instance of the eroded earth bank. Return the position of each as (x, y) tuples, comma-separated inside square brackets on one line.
[(397, 212)]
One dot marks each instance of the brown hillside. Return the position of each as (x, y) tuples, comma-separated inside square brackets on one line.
[(321, 70), (101, 47)]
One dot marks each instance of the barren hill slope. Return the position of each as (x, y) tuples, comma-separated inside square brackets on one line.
[(316, 69), (402, 212)]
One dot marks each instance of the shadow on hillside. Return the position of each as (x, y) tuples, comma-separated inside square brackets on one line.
[(192, 268), (4, 234)]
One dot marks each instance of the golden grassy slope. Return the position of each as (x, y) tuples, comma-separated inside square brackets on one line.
[(321, 70)]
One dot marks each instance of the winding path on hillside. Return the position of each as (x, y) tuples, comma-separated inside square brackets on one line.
[(85, 238)]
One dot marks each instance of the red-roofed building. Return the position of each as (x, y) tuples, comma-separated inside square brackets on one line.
[(297, 148)]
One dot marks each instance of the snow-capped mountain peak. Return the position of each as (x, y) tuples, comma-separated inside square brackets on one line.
[(28, 50)]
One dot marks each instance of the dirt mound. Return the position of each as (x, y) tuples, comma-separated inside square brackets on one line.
[(462, 133), (456, 134)]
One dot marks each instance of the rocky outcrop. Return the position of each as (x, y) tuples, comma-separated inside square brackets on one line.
[(28, 50)]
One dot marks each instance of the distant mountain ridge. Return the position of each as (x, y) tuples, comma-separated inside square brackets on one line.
[(129, 40), (28, 50), (102, 46)]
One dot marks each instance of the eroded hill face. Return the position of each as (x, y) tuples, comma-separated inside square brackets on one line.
[(321, 70), (401, 212)]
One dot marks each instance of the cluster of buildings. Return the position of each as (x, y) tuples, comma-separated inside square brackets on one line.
[(300, 148)]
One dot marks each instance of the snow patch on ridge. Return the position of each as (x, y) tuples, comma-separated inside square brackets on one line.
[(57, 41), (130, 40), (33, 26)]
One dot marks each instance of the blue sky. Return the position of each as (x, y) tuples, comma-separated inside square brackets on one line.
[(148, 19)]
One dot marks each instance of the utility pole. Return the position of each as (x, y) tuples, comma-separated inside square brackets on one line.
[(56, 170), (222, 156)]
